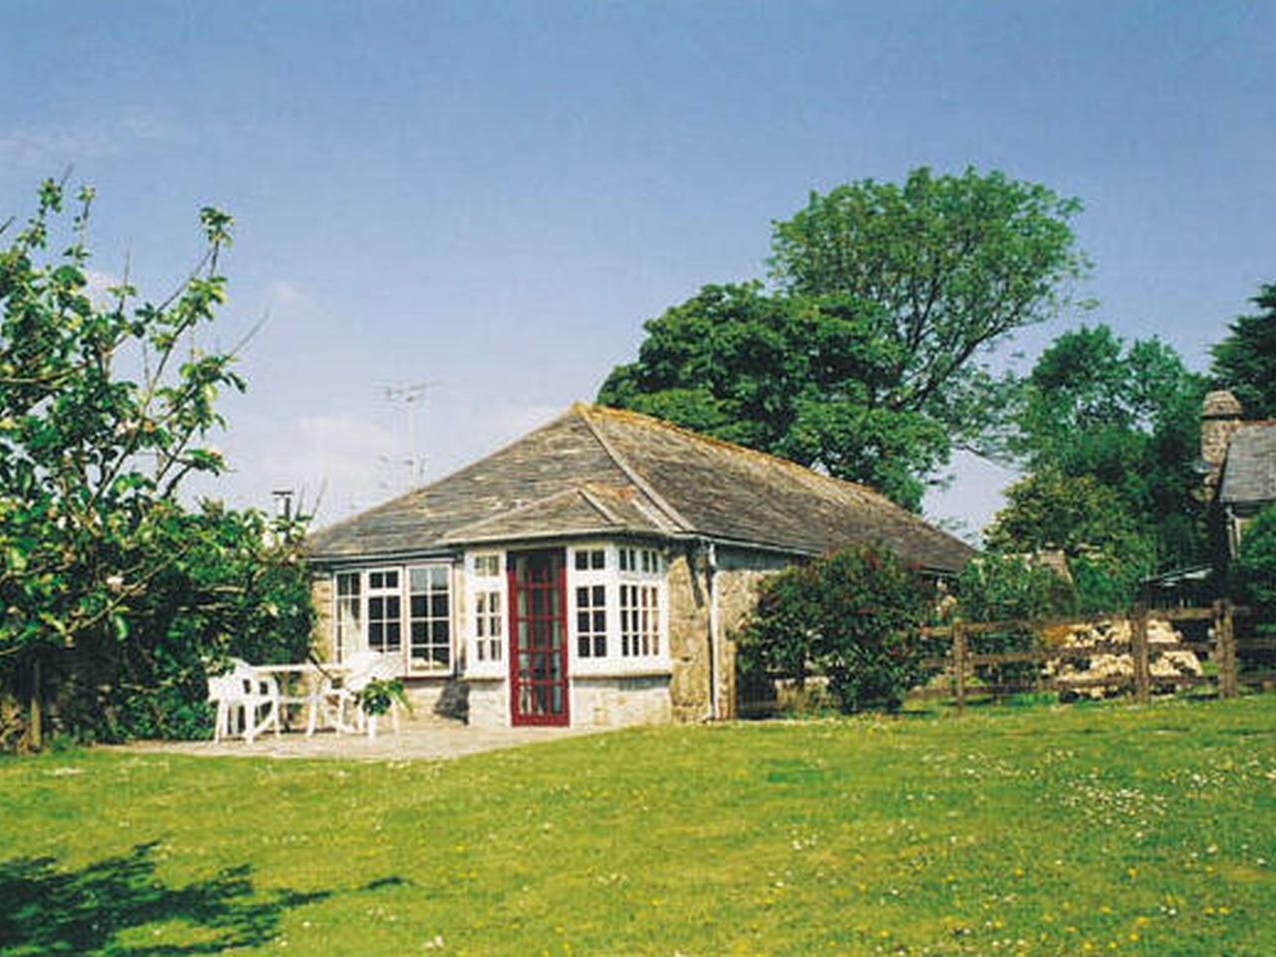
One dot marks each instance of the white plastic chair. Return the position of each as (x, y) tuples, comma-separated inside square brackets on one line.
[(362, 668), (244, 698)]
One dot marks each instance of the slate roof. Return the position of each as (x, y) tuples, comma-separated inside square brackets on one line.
[(1249, 474), (595, 471)]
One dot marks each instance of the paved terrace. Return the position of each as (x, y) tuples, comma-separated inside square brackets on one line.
[(419, 739)]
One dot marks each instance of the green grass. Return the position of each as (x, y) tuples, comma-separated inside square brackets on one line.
[(1100, 829)]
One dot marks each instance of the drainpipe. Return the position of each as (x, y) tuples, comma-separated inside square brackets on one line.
[(710, 572)]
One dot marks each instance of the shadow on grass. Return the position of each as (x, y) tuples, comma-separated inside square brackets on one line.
[(47, 910)]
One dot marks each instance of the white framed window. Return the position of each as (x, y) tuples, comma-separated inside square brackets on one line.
[(589, 559), (430, 618), (589, 586), (591, 621), (404, 612), (347, 630), (485, 599), (618, 619), (643, 561), (639, 621), (385, 611), (486, 565)]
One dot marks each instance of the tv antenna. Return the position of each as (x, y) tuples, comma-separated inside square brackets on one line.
[(410, 396)]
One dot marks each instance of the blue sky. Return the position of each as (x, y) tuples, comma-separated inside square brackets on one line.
[(493, 197)]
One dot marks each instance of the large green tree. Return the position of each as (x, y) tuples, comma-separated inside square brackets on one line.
[(798, 377), (1110, 435), (106, 407), (1245, 361), (865, 358)]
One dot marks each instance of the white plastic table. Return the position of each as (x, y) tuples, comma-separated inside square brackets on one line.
[(305, 684)]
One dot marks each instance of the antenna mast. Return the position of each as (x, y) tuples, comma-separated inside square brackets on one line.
[(409, 395)]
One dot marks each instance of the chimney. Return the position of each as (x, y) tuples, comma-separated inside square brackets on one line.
[(1220, 418)]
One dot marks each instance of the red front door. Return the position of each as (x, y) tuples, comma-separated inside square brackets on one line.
[(538, 666)]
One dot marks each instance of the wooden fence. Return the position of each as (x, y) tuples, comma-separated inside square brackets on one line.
[(994, 660), (1230, 658)]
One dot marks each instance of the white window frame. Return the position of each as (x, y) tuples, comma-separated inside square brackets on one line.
[(480, 583), (430, 622), (592, 570), (347, 614), (645, 568), (384, 595), (351, 615)]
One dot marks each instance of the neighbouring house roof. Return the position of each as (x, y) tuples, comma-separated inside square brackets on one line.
[(598, 471), (1249, 473)]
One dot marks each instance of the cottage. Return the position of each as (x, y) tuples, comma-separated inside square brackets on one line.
[(1239, 460), (591, 572)]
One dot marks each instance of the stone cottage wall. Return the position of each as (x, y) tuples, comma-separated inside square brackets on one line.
[(688, 638), (739, 575), (736, 583), (321, 601)]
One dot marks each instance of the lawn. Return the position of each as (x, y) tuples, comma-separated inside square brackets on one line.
[(1093, 829)]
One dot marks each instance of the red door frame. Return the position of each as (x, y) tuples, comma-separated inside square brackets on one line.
[(538, 639)]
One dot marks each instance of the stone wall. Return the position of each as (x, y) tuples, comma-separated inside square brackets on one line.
[(321, 599), (424, 695), (688, 639), (489, 703), (736, 585), (739, 576), (617, 702)]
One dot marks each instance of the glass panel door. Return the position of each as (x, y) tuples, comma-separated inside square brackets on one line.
[(538, 666)]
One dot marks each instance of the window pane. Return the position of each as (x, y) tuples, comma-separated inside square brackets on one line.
[(430, 617)]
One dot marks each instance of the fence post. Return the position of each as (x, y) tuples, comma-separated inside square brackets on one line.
[(1225, 641), (1140, 653), (959, 665)]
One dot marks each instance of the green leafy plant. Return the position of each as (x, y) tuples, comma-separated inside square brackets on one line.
[(851, 618), (1253, 575), (113, 589), (379, 695), (865, 357)]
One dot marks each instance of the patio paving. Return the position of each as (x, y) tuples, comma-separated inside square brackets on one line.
[(430, 740)]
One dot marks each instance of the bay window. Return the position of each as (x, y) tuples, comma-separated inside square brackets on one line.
[(485, 587), (618, 618), (405, 613)]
